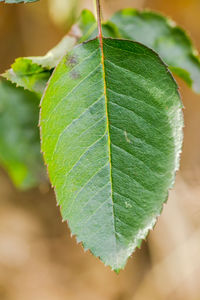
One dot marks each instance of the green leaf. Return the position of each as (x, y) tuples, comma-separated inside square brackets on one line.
[(88, 26), (19, 135), (24, 73), (168, 40), (111, 129), (87, 22), (18, 1), (32, 73)]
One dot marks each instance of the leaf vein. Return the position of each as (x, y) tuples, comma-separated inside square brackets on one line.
[(83, 187), (145, 188), (142, 140), (140, 160)]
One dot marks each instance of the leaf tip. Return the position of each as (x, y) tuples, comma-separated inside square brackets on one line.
[(117, 271)]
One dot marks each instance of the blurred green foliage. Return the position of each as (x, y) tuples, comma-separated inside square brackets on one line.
[(19, 135)]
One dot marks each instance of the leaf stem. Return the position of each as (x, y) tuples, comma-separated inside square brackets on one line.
[(98, 7)]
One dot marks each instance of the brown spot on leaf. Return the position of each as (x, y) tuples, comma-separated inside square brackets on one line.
[(71, 61), (75, 74)]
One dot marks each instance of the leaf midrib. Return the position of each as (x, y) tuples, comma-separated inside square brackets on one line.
[(109, 140)]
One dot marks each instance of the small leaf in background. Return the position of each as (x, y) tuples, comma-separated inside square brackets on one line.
[(19, 135), (32, 73), (87, 22), (111, 128), (167, 39), (27, 74), (88, 26)]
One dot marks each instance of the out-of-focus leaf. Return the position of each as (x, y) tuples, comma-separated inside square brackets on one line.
[(87, 22), (168, 40), (111, 129), (88, 26), (32, 73), (19, 135)]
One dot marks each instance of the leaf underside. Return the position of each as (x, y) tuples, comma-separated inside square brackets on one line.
[(111, 129), (52, 58), (31, 76)]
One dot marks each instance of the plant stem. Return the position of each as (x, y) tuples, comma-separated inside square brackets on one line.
[(98, 7)]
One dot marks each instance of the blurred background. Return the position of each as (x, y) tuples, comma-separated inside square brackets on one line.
[(38, 257)]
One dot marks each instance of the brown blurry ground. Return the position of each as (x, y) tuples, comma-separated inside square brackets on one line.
[(38, 258)]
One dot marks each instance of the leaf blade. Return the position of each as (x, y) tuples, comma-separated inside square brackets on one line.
[(111, 192)]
